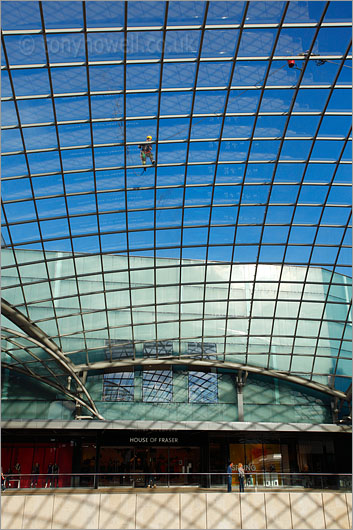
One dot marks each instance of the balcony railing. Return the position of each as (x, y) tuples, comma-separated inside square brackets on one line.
[(254, 481)]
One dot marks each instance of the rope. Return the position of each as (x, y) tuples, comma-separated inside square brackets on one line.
[(218, 114), (320, 62), (258, 85), (122, 137)]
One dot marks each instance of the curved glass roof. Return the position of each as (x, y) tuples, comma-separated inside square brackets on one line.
[(249, 109)]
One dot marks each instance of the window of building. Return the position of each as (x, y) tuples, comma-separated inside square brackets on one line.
[(157, 386), (203, 387), (118, 386), (119, 349), (156, 349), (206, 350)]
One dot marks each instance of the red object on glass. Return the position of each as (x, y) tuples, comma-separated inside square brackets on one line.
[(291, 63)]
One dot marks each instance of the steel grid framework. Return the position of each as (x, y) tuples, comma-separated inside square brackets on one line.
[(253, 167)]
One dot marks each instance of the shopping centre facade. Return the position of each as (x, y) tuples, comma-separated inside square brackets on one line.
[(266, 392)]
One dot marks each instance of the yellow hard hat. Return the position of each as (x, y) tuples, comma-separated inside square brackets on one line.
[(149, 137)]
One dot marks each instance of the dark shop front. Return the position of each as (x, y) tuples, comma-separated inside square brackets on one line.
[(122, 458)]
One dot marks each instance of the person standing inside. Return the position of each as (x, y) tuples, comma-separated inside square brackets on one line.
[(229, 476), (55, 475), (152, 478), (9, 477), (48, 482), (3, 481), (241, 474), (35, 473), (18, 472)]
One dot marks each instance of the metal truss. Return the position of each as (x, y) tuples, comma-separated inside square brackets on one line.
[(35, 335)]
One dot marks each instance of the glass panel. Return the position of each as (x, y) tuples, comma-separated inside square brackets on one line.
[(118, 387), (272, 465), (254, 462), (203, 387), (157, 386)]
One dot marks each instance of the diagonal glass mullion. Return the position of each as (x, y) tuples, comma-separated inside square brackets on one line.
[(174, 116), (188, 27), (322, 211), (33, 197), (246, 167), (333, 375), (125, 183), (95, 183), (214, 178), (113, 290), (329, 284), (318, 223), (10, 267), (175, 246), (185, 175), (151, 187), (242, 189), (61, 169), (346, 324), (178, 60), (325, 302), (171, 90), (155, 179), (165, 187), (174, 186), (316, 233), (296, 90), (85, 147)]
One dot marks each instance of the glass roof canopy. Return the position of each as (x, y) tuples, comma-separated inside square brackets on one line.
[(249, 107)]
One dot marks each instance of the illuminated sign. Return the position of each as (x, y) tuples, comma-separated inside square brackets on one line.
[(153, 440)]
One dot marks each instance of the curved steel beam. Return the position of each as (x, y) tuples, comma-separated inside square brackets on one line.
[(31, 329), (39, 338), (37, 335), (26, 349), (195, 363), (50, 383)]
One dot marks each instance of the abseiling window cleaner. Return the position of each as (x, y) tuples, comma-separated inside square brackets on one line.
[(146, 151)]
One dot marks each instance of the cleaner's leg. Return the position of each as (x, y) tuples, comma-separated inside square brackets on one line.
[(150, 156)]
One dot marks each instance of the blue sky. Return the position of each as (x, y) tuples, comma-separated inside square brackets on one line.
[(234, 159)]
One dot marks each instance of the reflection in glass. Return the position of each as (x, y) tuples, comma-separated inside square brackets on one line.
[(157, 386)]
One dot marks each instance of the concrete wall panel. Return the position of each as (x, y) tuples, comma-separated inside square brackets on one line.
[(38, 511), (307, 510), (278, 513), (117, 510), (158, 510), (223, 511), (12, 511), (349, 506), (152, 510), (192, 510), (253, 510), (335, 510), (76, 511)]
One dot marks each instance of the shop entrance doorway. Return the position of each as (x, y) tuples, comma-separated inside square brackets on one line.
[(139, 467), (185, 462), (263, 463), (116, 464)]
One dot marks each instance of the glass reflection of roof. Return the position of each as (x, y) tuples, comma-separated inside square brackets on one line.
[(253, 157)]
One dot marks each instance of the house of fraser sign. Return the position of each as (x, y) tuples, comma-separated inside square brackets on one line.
[(154, 440)]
